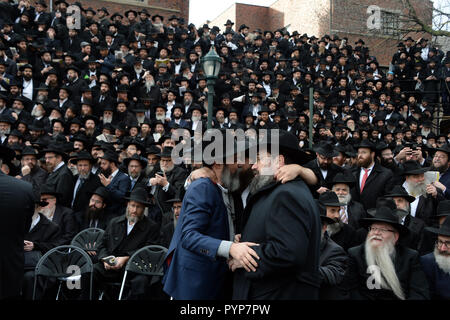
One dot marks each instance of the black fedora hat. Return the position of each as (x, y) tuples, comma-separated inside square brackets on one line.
[(323, 213), (50, 190), (443, 230), (326, 149), (344, 178), (6, 153), (101, 192), (399, 191), (367, 144), (139, 195), (166, 152), (412, 167), (55, 148), (29, 151), (443, 208), (330, 199), (83, 155), (152, 150), (110, 156), (136, 157), (288, 144), (386, 215), (445, 148)]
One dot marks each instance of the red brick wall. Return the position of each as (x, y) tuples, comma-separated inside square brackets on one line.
[(253, 16)]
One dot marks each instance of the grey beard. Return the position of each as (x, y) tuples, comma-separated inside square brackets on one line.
[(194, 118), (160, 117), (259, 182), (149, 84), (230, 181), (107, 120), (345, 199), (132, 219), (74, 170), (41, 98), (334, 228), (148, 170), (52, 118), (141, 119), (382, 258), (417, 189), (83, 176), (48, 212), (134, 176), (442, 261), (18, 111), (36, 113), (5, 132)]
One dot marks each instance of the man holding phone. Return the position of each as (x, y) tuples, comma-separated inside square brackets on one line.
[(166, 183)]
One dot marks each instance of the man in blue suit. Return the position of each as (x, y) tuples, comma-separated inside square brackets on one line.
[(116, 182), (195, 266)]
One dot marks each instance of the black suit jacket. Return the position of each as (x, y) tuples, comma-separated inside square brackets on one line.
[(176, 179), (84, 194), (116, 242), (284, 220), (65, 219), (44, 235), (377, 184), (16, 210), (62, 181), (407, 267)]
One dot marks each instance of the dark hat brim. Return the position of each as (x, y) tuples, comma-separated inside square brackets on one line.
[(131, 198), (416, 171), (442, 231), (366, 222)]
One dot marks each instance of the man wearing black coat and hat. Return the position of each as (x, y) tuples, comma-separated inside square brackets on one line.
[(372, 180), (323, 167), (58, 214), (166, 184), (30, 170), (42, 237), (94, 215), (135, 166), (288, 235), (60, 177), (16, 210), (117, 182), (85, 181), (436, 265), (341, 233), (333, 259), (125, 235), (374, 273)]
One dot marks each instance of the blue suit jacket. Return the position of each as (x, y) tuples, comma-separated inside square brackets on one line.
[(118, 187), (438, 280), (194, 272)]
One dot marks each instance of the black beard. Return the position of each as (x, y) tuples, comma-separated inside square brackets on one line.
[(27, 78), (94, 213), (107, 172)]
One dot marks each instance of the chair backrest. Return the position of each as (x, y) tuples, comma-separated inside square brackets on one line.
[(88, 239), (148, 261), (63, 261)]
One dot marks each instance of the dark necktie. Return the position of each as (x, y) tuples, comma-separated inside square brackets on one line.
[(78, 190)]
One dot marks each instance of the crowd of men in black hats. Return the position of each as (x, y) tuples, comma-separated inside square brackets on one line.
[(87, 115)]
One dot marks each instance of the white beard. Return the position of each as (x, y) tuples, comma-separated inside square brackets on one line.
[(417, 189), (160, 117), (141, 119), (107, 120), (194, 118), (382, 257), (48, 212), (149, 84), (442, 261), (36, 113), (345, 199)]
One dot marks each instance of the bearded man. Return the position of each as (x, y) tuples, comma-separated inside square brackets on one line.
[(85, 182), (167, 183), (351, 211), (426, 195), (381, 268), (135, 166), (372, 179), (122, 238), (284, 220), (94, 215), (30, 171), (55, 212), (441, 163), (436, 264)]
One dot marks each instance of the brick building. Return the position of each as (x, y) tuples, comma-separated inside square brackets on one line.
[(346, 18), (165, 8)]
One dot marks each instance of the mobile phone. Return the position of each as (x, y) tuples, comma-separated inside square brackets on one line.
[(13, 51), (110, 260), (160, 173)]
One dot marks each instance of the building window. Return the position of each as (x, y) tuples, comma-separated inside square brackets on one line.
[(390, 23)]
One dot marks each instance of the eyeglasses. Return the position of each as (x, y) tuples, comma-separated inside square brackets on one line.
[(440, 156), (440, 243), (383, 231), (49, 157)]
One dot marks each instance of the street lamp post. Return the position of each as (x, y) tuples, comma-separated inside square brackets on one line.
[(211, 66)]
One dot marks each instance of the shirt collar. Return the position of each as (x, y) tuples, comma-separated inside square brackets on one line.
[(59, 166), (114, 174)]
